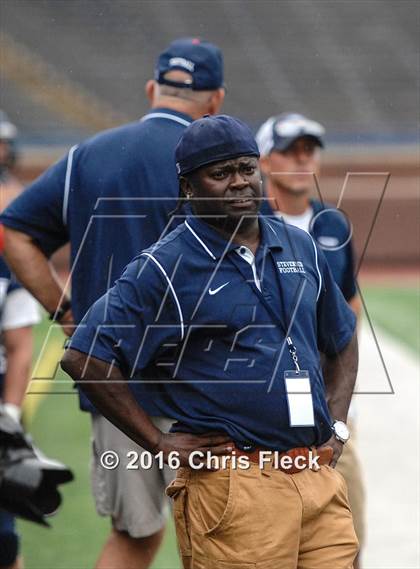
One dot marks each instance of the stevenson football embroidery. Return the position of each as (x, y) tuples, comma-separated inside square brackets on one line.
[(290, 266)]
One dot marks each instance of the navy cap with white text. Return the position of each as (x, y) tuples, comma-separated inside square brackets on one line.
[(201, 59), (212, 139)]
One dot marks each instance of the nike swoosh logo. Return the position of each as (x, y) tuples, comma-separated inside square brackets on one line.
[(216, 290)]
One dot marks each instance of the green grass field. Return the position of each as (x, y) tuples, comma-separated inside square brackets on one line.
[(62, 431), (396, 310)]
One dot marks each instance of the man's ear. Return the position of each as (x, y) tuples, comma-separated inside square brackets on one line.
[(216, 101), (185, 186), (150, 89), (265, 165)]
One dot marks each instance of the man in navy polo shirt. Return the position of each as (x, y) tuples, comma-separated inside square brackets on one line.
[(290, 145), (223, 320), (110, 198)]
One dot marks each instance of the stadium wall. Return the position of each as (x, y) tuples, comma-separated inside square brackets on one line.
[(381, 187)]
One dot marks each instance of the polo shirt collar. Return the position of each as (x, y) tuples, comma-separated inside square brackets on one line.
[(269, 236), (215, 245), (163, 112)]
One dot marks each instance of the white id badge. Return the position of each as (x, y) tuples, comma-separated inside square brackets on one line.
[(299, 398)]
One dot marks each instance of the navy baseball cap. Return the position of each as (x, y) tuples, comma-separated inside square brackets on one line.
[(278, 133), (212, 139), (201, 59)]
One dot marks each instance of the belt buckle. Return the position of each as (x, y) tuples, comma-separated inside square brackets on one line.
[(245, 446)]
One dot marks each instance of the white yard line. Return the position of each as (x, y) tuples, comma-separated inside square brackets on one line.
[(388, 443)]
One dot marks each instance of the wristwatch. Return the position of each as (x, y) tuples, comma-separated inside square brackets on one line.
[(341, 431), (58, 314)]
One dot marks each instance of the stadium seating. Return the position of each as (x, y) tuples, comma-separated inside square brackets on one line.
[(351, 65)]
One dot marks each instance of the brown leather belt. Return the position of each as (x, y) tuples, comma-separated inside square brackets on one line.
[(291, 462)]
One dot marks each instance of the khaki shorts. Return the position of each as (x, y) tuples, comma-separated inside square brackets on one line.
[(134, 499), (263, 519), (349, 467)]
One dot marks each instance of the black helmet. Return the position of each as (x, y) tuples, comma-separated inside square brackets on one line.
[(28, 479)]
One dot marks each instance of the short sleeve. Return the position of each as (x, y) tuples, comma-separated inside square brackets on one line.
[(133, 322), (336, 320), (38, 211)]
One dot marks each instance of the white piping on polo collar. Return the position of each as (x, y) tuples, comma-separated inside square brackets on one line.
[(204, 246), (168, 116)]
